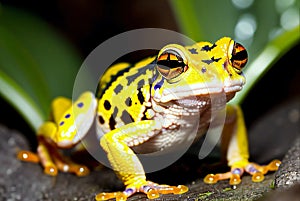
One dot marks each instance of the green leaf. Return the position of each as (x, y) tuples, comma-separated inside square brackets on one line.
[(17, 63), (35, 61), (20, 100)]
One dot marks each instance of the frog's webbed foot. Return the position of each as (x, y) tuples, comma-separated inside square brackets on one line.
[(152, 190), (52, 160), (234, 176)]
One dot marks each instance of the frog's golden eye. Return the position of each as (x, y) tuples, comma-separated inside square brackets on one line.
[(171, 64), (238, 57)]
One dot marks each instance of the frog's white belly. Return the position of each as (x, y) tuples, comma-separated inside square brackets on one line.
[(177, 131)]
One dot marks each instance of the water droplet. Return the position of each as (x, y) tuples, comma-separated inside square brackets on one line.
[(283, 5), (246, 27), (290, 18), (242, 4)]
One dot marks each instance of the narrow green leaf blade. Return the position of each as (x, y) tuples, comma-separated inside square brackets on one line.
[(57, 59), (23, 103)]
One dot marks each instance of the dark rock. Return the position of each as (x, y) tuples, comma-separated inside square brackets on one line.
[(274, 133), (289, 172), (286, 194), (27, 182)]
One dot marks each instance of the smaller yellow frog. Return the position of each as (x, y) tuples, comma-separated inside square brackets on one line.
[(152, 106)]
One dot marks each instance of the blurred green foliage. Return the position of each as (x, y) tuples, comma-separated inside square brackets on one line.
[(36, 64)]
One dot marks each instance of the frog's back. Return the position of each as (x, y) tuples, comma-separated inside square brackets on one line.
[(123, 94)]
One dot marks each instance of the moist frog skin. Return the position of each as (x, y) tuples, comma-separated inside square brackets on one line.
[(150, 107)]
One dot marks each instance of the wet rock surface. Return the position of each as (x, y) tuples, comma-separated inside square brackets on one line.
[(288, 174)]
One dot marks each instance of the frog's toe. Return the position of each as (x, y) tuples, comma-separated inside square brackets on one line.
[(258, 171), (51, 170), (119, 196), (28, 156), (152, 190), (52, 161), (80, 170), (64, 164), (234, 176)]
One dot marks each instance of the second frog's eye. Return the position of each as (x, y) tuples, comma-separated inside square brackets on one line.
[(171, 64), (238, 57)]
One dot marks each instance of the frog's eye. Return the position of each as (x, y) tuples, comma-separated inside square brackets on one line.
[(171, 64), (238, 57)]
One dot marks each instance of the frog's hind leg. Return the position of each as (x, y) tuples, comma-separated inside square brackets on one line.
[(235, 140), (49, 156), (43, 155), (49, 134), (47, 130)]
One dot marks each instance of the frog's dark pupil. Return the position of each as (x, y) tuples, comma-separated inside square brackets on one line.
[(168, 63), (239, 54)]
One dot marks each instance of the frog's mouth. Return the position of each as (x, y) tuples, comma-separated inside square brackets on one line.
[(196, 92), (203, 101)]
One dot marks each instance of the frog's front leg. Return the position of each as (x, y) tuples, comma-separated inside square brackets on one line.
[(126, 164), (69, 123), (235, 140)]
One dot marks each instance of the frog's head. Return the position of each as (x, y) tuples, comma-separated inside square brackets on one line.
[(199, 70)]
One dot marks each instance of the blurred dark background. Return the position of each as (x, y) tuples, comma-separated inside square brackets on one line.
[(87, 23)]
